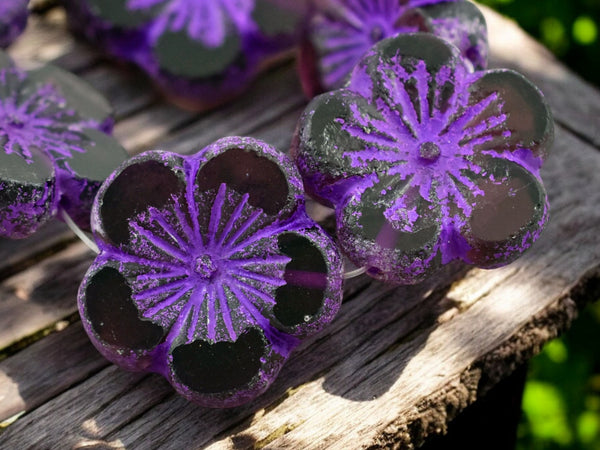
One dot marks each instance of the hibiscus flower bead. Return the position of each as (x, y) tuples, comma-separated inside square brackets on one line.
[(210, 272), (199, 52), (425, 161), (55, 153), (340, 32)]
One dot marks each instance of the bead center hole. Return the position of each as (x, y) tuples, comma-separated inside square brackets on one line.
[(14, 121), (205, 267), (377, 33), (429, 151)]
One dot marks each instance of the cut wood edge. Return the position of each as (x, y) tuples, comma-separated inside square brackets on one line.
[(435, 413)]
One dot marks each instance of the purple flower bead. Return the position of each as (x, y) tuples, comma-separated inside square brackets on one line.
[(426, 162), (340, 32), (201, 52), (210, 271), (54, 150), (13, 19)]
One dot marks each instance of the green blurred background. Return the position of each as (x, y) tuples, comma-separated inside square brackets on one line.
[(561, 402), (570, 28)]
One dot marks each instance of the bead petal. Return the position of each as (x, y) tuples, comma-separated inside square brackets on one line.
[(140, 183), (390, 230), (528, 125), (113, 321), (225, 374), (200, 61), (80, 95), (508, 216)]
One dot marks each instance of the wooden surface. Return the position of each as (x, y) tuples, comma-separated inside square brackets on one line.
[(396, 365)]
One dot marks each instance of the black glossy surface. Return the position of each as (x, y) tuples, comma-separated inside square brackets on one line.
[(113, 315), (508, 206), (528, 116), (247, 172), (306, 278), (220, 367), (137, 187), (14, 168), (179, 55)]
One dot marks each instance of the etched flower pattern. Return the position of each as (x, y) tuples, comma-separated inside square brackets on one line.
[(426, 162), (223, 273), (204, 20), (48, 140), (33, 119), (200, 52), (340, 32)]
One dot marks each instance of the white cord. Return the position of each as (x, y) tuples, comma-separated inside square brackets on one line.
[(79, 232), (354, 273)]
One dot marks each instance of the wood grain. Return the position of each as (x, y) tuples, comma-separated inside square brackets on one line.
[(397, 364)]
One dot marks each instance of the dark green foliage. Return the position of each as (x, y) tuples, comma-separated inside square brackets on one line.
[(570, 28), (561, 403)]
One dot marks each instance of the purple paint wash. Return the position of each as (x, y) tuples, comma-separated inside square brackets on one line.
[(200, 52), (340, 32), (13, 19), (426, 162), (54, 151), (210, 271)]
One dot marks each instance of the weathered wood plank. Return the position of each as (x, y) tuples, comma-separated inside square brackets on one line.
[(16, 255), (167, 127), (43, 294), (146, 130), (261, 107), (125, 88), (46, 369)]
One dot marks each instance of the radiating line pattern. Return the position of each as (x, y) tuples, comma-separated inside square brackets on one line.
[(427, 158), (42, 129), (342, 31), (429, 148), (37, 117), (205, 268), (205, 21)]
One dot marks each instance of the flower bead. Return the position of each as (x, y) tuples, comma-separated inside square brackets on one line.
[(426, 162), (340, 32), (201, 52), (55, 153), (210, 271), (13, 19)]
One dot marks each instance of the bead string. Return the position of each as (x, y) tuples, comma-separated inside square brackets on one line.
[(354, 273), (79, 232), (82, 235)]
